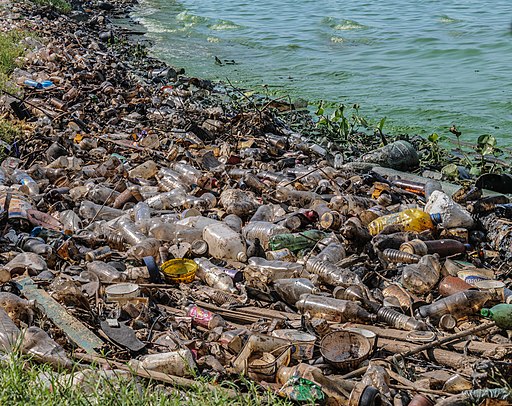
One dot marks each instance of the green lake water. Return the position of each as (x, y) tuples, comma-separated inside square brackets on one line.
[(424, 65)]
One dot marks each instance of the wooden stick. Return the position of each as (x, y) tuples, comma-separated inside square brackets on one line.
[(423, 390)]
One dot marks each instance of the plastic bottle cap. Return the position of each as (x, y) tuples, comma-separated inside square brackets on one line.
[(436, 218)]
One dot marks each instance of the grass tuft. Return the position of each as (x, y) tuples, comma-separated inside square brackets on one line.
[(60, 5), (25, 383)]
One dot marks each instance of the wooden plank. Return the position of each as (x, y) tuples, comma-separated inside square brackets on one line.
[(74, 329)]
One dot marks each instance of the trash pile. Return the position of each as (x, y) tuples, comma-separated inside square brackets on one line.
[(147, 220)]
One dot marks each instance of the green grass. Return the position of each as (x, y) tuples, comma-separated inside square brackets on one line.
[(10, 50), (25, 383), (60, 5)]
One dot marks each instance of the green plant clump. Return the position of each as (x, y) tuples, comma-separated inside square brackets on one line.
[(25, 383), (60, 5)]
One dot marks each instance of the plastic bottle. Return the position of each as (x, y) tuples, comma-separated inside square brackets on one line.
[(105, 272), (399, 320), (443, 247), (149, 247), (397, 155), (297, 241), (223, 242), (501, 314), (213, 275), (89, 210), (28, 185), (168, 180), (186, 172), (236, 201), (9, 332), (70, 221), (290, 290), (298, 198), (141, 212), (336, 310), (263, 230), (420, 278), (333, 253), (504, 210), (18, 309), (36, 245), (168, 200), (458, 305), (41, 346), (452, 214), (234, 222), (164, 231), (145, 170), (275, 269), (177, 363), (415, 220), (331, 274)]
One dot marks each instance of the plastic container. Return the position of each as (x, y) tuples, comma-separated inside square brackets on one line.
[(303, 343), (415, 220), (452, 214), (420, 278), (121, 292), (223, 242), (179, 270)]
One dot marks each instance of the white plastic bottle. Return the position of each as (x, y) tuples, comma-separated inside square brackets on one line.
[(224, 242)]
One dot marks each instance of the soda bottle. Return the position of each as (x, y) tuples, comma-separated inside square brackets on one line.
[(501, 314), (458, 305), (297, 241), (332, 309), (415, 220)]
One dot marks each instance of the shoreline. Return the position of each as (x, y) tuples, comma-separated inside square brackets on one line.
[(103, 119)]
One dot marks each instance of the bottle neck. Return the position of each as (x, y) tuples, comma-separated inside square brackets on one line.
[(436, 218)]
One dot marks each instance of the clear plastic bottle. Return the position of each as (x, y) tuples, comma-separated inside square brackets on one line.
[(290, 290), (36, 245), (331, 274), (41, 346), (333, 253), (331, 309), (28, 185), (70, 221), (168, 200), (223, 242), (459, 305), (213, 276), (164, 231), (145, 170), (141, 212), (105, 272), (178, 363), (9, 332), (89, 210), (299, 198), (275, 269), (168, 180), (186, 172), (415, 220), (420, 278), (263, 230), (236, 201), (234, 222), (100, 194)]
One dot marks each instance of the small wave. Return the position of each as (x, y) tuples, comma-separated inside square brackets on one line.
[(190, 19), (444, 19), (213, 40), (342, 25), (337, 40), (223, 25)]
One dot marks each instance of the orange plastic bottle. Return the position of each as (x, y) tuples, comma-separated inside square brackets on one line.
[(415, 220)]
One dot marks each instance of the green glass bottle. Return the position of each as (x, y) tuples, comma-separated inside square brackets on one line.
[(296, 241), (501, 314)]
